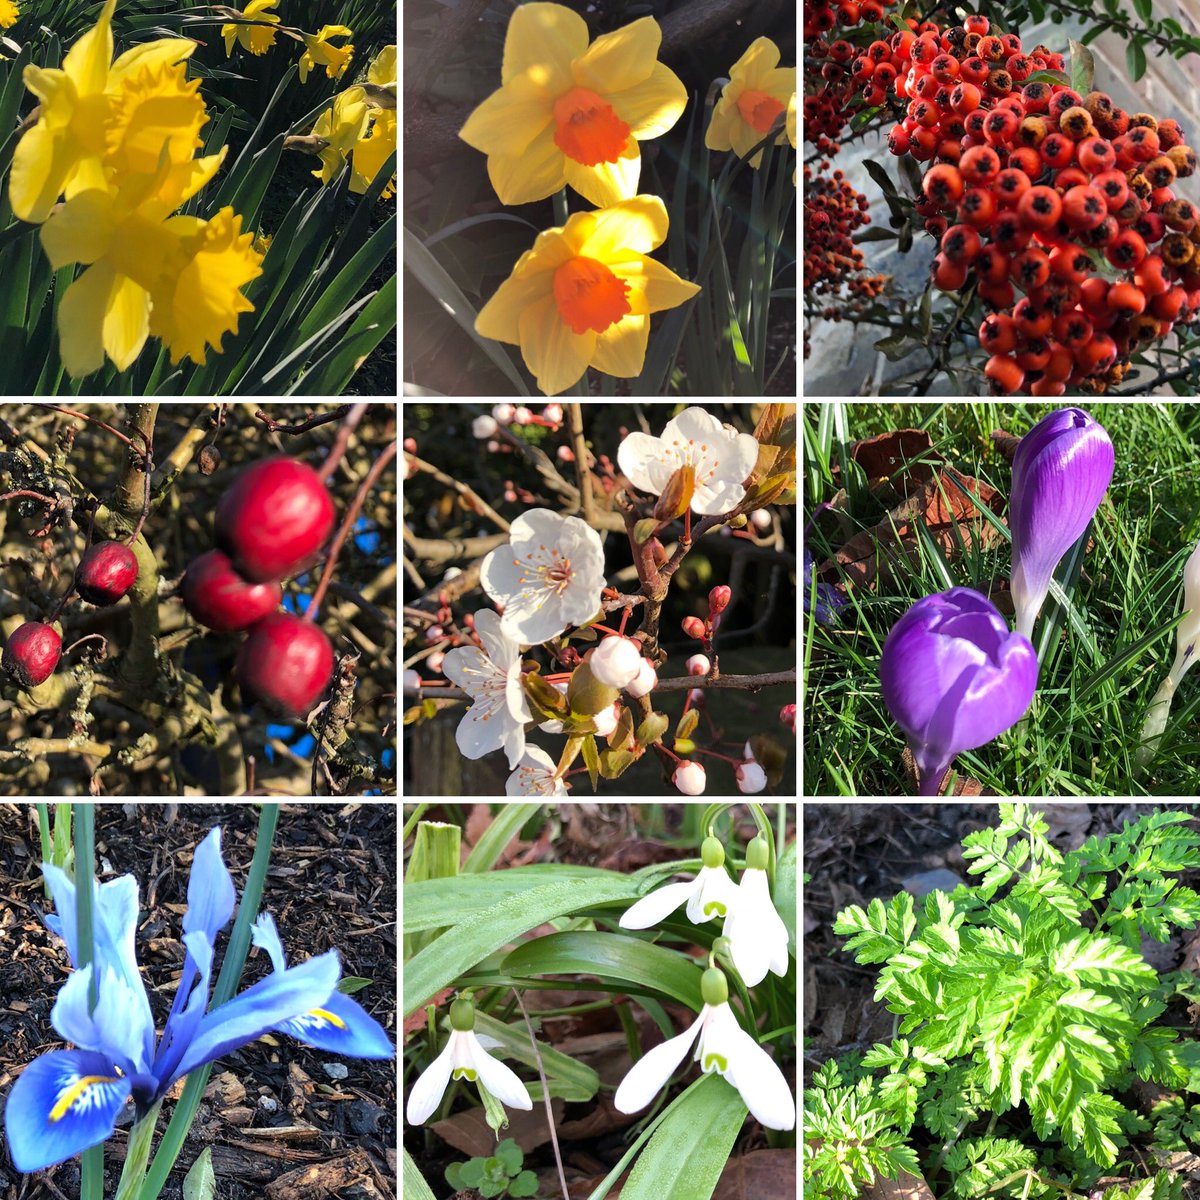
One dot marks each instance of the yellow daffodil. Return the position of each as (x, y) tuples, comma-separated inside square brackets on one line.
[(255, 38), (570, 113), (791, 127), (98, 116), (371, 152), (9, 14), (582, 296), (341, 126), (319, 52), (758, 91)]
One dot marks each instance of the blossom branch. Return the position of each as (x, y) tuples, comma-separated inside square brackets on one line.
[(746, 682), (478, 505), (440, 550), (587, 503)]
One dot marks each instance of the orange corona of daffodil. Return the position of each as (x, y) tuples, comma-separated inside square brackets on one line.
[(9, 14), (758, 92), (256, 38), (583, 295), (570, 113), (320, 52)]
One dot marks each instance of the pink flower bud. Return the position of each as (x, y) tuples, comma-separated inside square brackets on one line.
[(484, 427), (719, 598), (751, 778), (787, 714), (553, 413), (698, 664), (493, 446), (523, 415), (696, 697), (689, 778), (410, 444), (606, 720), (645, 681), (435, 660), (693, 627), (434, 633), (760, 519), (616, 661), (566, 454), (504, 413), (412, 681), (510, 495)]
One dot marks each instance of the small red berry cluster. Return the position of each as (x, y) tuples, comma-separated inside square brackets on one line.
[(1067, 199)]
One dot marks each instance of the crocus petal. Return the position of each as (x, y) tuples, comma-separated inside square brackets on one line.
[(650, 108), (619, 60), (341, 1026), (621, 348), (498, 1078), (542, 41), (426, 1094), (555, 355), (648, 1076), (657, 906), (1061, 471), (62, 1103), (761, 1083)]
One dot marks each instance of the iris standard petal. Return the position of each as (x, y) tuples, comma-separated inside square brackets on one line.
[(619, 60), (760, 1083), (211, 894), (426, 1094), (534, 174), (1061, 470), (341, 1026), (657, 906), (651, 107), (509, 119), (555, 355), (648, 1076), (606, 183), (638, 224), (62, 1103), (621, 348), (501, 1080), (542, 41)]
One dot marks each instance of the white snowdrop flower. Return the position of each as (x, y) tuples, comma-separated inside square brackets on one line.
[(644, 682), (548, 576), (616, 661), (721, 1046), (492, 676), (534, 776), (758, 938), (484, 427), (721, 456), (709, 896), (465, 1057)]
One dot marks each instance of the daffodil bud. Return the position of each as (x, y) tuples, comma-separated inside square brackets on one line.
[(462, 1015), (714, 987), (712, 853)]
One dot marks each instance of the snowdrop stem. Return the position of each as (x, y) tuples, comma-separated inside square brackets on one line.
[(537, 1055)]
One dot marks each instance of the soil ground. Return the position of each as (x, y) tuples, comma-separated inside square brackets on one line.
[(281, 1119)]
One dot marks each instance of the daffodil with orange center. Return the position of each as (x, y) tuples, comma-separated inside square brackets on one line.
[(572, 113), (757, 94), (319, 51), (258, 39), (583, 295)]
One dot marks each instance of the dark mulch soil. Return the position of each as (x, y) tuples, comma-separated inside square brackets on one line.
[(280, 1125)]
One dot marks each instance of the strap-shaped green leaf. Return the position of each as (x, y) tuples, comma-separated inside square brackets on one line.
[(415, 1187), (504, 827)]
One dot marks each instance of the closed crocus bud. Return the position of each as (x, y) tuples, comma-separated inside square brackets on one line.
[(751, 778), (719, 598), (693, 627), (1061, 471), (689, 778), (644, 682), (616, 661), (483, 427), (698, 664), (954, 677)]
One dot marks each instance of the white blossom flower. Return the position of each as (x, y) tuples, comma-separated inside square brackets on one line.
[(492, 676), (616, 662), (721, 1046), (709, 896), (483, 427), (464, 1057), (751, 778), (722, 458), (607, 719), (553, 413), (548, 576), (504, 413), (758, 938), (690, 778), (534, 776), (644, 682), (412, 680)]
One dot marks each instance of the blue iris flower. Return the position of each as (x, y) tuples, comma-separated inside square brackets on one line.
[(68, 1100)]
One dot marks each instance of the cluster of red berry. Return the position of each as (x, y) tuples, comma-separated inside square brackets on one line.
[(1035, 188)]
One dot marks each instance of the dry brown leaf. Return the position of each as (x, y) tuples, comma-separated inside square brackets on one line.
[(1069, 822), (759, 1175), (907, 1187), (469, 1131), (893, 456), (1006, 443)]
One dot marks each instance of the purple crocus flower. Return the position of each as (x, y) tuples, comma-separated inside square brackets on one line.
[(68, 1100), (954, 678), (828, 601), (1061, 470)]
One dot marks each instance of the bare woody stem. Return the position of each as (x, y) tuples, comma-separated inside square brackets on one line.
[(584, 475), (746, 682), (353, 414), (481, 506)]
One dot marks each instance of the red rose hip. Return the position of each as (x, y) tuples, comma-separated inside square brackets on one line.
[(273, 519), (32, 653), (285, 664), (105, 573), (219, 598)]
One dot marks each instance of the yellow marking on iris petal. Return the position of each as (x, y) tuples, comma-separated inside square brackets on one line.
[(323, 1014), (68, 1098)]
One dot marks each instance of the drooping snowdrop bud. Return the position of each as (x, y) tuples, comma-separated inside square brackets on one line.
[(523, 415), (719, 598), (565, 454), (693, 627), (698, 664), (504, 413), (616, 661), (412, 681), (483, 427), (690, 778), (435, 660), (553, 413), (760, 519), (645, 681), (751, 778)]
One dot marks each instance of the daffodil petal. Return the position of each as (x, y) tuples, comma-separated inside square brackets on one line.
[(718, 135), (542, 41), (780, 84), (40, 167), (500, 317), (658, 284), (80, 231), (653, 106), (126, 321), (621, 348), (762, 55), (532, 175), (618, 60), (88, 60), (638, 224), (81, 321), (606, 183), (509, 119), (159, 53), (556, 356)]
